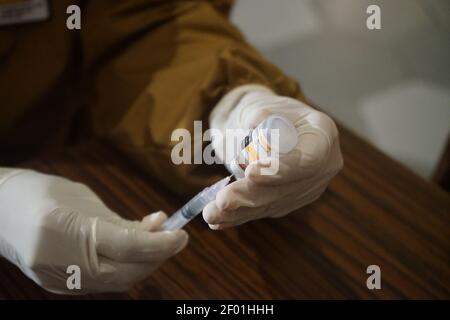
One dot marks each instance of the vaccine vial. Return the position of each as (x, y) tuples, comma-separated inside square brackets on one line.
[(260, 143)]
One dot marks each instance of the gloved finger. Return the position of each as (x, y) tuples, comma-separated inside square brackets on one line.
[(225, 225), (278, 210), (335, 161), (149, 223), (125, 275), (314, 150), (254, 117), (246, 193), (153, 221), (306, 161), (238, 217), (280, 207), (259, 106), (316, 140), (243, 197), (134, 245), (274, 171), (310, 186), (121, 222), (213, 215)]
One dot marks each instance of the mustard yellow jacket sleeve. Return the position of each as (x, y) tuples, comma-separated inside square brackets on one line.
[(157, 66)]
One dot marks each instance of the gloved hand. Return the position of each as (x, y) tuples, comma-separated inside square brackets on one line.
[(303, 173), (48, 223)]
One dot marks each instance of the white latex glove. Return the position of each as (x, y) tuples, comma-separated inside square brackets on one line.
[(48, 223), (303, 174)]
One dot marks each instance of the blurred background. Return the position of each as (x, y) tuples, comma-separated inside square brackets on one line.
[(390, 86)]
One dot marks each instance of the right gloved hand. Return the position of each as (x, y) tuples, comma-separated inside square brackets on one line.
[(292, 180), (48, 223)]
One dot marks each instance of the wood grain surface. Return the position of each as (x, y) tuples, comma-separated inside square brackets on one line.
[(374, 212)]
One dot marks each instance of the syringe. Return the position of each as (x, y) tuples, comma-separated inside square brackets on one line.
[(194, 206)]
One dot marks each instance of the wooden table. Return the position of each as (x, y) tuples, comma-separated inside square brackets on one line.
[(375, 212)]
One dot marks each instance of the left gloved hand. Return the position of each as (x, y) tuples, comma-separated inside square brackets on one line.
[(50, 223), (304, 173)]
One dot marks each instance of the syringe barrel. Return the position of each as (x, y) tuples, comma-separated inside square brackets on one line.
[(185, 214), (194, 206), (175, 222)]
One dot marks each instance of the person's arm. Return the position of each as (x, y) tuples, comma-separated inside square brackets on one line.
[(157, 67), (164, 66)]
